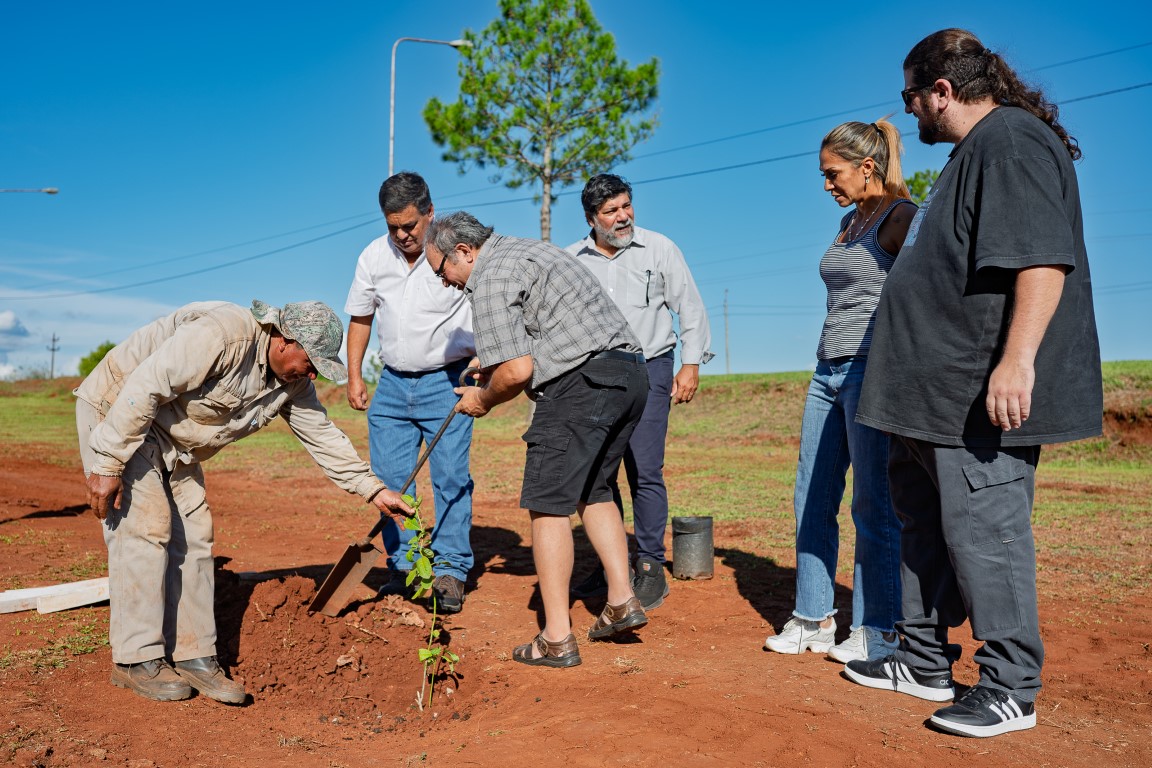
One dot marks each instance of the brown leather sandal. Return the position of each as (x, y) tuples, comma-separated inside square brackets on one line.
[(564, 653), (629, 616)]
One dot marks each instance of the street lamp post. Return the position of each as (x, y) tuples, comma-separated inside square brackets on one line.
[(392, 93), (46, 190)]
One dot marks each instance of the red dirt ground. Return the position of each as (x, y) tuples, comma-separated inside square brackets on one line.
[(694, 689)]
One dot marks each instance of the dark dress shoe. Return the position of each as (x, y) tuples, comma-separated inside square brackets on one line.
[(153, 679), (205, 675)]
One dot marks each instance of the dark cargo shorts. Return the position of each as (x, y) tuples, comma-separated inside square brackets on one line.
[(579, 432)]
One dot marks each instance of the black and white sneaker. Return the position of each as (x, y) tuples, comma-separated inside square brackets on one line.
[(887, 672), (984, 711)]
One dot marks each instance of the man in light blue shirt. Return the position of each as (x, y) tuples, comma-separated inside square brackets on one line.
[(646, 276)]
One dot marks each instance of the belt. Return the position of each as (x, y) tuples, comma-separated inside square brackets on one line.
[(416, 374), (618, 354)]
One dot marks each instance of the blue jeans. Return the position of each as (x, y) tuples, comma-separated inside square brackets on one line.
[(406, 410), (830, 440)]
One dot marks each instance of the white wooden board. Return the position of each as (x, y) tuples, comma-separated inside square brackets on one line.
[(73, 598), (26, 599)]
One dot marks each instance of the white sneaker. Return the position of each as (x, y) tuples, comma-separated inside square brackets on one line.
[(864, 643), (801, 635)]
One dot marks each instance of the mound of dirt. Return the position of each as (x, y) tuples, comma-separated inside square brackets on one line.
[(359, 668)]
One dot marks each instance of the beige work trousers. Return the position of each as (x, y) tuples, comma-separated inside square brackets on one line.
[(160, 569)]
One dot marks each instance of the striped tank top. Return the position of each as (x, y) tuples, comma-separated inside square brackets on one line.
[(854, 273)]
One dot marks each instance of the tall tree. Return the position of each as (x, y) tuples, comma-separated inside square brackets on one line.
[(920, 183), (543, 97)]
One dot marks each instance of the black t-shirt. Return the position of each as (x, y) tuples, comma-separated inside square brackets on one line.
[(1007, 199)]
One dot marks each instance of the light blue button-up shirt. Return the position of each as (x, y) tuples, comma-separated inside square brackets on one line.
[(649, 280)]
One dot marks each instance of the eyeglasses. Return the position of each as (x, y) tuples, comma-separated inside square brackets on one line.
[(439, 271), (907, 94)]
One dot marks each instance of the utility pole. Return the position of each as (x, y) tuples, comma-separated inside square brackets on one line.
[(53, 348), (727, 355)]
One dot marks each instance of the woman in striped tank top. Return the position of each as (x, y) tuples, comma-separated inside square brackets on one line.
[(860, 164)]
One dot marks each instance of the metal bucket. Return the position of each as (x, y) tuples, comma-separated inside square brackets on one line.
[(692, 549)]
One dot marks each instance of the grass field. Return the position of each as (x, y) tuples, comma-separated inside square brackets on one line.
[(731, 455)]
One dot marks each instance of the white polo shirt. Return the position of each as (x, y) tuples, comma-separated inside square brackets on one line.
[(421, 325)]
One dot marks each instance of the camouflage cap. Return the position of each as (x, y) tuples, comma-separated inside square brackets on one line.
[(315, 327)]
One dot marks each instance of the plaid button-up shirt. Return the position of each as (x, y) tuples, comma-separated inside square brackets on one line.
[(531, 298)]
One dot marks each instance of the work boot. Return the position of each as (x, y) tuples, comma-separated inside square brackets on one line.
[(449, 594), (153, 679), (205, 675)]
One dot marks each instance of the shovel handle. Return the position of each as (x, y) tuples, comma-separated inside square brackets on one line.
[(424, 456)]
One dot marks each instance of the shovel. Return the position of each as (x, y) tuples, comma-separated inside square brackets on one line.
[(360, 556)]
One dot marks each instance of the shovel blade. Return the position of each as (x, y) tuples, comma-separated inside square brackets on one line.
[(345, 576)]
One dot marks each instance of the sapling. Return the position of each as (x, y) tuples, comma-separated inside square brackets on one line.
[(420, 577)]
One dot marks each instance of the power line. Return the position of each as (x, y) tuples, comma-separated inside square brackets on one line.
[(687, 174), (778, 158), (1092, 56), (866, 107), (185, 257), (190, 273), (763, 130), (1105, 93)]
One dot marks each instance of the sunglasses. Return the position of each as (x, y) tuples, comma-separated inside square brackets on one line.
[(439, 271), (907, 94)]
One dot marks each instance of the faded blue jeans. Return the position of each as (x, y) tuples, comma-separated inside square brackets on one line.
[(830, 441), (406, 410)]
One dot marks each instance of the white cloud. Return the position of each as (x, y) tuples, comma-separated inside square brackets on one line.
[(12, 332), (79, 324)]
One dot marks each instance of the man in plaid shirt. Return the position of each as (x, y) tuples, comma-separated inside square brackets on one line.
[(543, 324)]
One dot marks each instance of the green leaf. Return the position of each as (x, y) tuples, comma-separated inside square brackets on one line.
[(412, 574), (411, 524), (424, 567)]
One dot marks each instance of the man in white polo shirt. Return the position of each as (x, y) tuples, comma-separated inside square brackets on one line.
[(426, 342)]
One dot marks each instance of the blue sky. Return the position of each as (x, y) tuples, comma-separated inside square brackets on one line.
[(237, 140)]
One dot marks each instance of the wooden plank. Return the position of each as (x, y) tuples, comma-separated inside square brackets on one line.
[(25, 599), (74, 598)]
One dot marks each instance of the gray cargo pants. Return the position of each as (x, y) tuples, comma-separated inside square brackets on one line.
[(967, 553), (160, 577)]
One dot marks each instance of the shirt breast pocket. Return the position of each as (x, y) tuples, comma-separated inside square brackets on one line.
[(213, 407), (645, 288), (436, 297)]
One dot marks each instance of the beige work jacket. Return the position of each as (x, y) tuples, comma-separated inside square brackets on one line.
[(197, 380)]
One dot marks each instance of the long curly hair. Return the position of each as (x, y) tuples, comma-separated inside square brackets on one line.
[(958, 56)]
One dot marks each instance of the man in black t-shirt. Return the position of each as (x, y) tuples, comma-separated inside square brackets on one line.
[(984, 348)]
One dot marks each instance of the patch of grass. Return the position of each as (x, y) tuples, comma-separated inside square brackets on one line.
[(90, 566), (26, 536), (1127, 374), (64, 637)]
